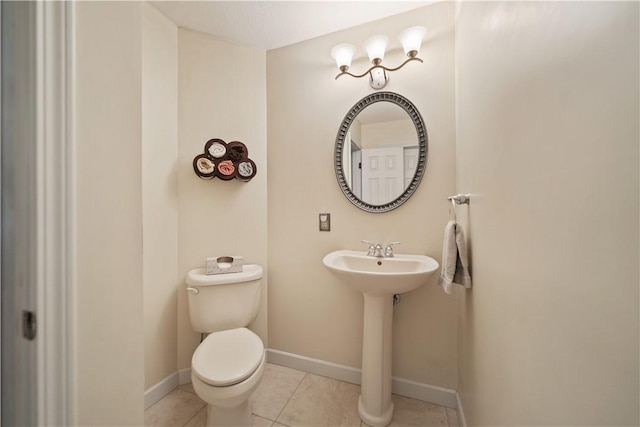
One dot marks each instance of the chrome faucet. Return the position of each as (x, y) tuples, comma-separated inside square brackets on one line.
[(376, 249), (388, 251)]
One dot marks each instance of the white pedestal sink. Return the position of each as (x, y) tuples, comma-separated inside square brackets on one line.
[(378, 279)]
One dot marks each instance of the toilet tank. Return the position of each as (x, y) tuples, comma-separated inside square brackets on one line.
[(219, 302)]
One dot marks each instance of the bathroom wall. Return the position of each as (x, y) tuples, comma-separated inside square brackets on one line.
[(108, 214), (222, 94), (133, 91), (161, 280), (310, 313), (547, 127)]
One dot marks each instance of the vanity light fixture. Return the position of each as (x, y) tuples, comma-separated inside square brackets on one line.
[(411, 40)]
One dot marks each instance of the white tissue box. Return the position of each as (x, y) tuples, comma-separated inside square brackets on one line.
[(224, 264)]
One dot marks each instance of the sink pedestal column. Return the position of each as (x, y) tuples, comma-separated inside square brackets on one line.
[(374, 405)]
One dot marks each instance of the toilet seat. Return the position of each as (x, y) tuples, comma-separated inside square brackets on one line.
[(227, 357)]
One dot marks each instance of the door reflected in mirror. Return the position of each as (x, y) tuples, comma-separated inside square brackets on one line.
[(383, 154), (380, 152)]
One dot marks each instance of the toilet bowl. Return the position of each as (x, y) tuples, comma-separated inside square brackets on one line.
[(225, 370), (227, 366)]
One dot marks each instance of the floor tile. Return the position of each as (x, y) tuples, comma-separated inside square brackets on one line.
[(453, 417), (187, 387), (175, 409), (261, 422), (199, 420), (321, 401), (294, 398), (412, 412), (276, 388)]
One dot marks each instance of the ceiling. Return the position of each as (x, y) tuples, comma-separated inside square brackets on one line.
[(272, 24)]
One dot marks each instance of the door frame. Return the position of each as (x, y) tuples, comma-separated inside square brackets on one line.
[(56, 283), (52, 399)]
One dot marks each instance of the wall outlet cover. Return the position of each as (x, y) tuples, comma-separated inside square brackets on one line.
[(324, 221)]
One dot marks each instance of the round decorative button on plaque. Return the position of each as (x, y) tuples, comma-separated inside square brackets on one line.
[(217, 150), (225, 161), (205, 165), (245, 169), (226, 168)]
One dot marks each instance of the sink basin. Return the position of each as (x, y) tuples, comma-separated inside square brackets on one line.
[(402, 273), (378, 279)]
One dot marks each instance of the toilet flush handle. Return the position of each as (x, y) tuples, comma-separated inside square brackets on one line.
[(194, 290)]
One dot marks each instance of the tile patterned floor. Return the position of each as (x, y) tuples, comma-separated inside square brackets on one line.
[(287, 397)]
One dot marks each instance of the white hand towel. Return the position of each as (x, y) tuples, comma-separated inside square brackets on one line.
[(455, 263)]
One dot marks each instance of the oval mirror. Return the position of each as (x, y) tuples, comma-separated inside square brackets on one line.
[(381, 152)]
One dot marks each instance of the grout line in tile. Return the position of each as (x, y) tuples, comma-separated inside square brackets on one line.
[(289, 399), (194, 415)]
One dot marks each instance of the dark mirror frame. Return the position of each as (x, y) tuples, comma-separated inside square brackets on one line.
[(421, 130)]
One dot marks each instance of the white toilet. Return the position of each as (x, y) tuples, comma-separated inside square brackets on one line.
[(228, 365)]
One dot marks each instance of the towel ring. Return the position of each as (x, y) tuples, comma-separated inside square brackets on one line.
[(452, 210), (458, 199)]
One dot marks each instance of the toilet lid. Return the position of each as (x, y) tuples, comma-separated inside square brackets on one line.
[(228, 357)]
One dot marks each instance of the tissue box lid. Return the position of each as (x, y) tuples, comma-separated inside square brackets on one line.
[(197, 277)]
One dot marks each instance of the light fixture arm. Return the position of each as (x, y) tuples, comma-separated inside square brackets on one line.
[(413, 58)]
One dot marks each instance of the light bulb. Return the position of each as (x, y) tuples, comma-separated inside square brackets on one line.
[(375, 47), (343, 53), (411, 40)]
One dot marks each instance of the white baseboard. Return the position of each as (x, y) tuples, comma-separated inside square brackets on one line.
[(461, 419), (161, 389), (426, 392), (407, 388), (314, 366), (184, 376)]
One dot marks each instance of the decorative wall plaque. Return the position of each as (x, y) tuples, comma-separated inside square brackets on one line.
[(224, 161)]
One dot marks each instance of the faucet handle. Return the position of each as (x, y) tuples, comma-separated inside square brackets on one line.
[(372, 247), (388, 251)]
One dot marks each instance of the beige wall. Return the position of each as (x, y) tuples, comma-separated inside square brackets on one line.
[(400, 133), (127, 103), (159, 193), (110, 349), (310, 313), (547, 125), (222, 95)]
